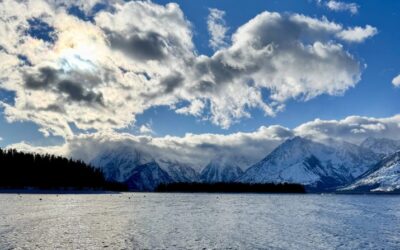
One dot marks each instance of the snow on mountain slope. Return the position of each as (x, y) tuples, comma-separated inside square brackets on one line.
[(179, 172), (118, 164), (121, 163), (382, 146), (310, 163), (147, 177), (218, 171), (358, 159), (384, 177)]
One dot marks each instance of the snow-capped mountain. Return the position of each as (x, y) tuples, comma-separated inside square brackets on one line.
[(217, 171), (118, 164), (313, 164), (382, 146), (127, 164), (383, 177), (147, 177), (179, 172)]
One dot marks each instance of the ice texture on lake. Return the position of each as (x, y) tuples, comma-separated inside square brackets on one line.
[(196, 221)]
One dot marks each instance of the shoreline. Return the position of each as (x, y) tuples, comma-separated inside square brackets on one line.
[(54, 191), (61, 192)]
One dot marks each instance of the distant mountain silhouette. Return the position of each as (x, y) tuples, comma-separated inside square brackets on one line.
[(19, 170)]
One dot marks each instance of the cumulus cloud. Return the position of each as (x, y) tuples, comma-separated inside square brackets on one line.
[(267, 55), (146, 129), (358, 34), (342, 6), (99, 72), (396, 81), (353, 129), (217, 28), (195, 108)]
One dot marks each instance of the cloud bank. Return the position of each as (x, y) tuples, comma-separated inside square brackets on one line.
[(242, 149)]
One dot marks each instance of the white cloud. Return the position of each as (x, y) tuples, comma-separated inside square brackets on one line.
[(352, 129), (217, 28), (146, 129), (396, 81), (342, 6), (357, 34), (99, 75), (195, 108)]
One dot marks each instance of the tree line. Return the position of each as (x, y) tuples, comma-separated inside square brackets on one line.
[(19, 170), (231, 187)]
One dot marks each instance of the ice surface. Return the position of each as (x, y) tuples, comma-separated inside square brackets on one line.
[(197, 221)]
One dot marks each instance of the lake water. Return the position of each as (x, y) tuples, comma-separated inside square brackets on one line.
[(197, 221)]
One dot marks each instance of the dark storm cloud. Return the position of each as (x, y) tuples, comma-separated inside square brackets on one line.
[(42, 79), (76, 92), (55, 108), (48, 78), (144, 46), (220, 71), (172, 82), (205, 86)]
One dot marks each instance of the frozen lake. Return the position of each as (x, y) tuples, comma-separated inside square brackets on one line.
[(196, 221)]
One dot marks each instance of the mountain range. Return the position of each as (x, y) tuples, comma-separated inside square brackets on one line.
[(371, 166)]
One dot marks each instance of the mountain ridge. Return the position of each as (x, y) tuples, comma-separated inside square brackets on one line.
[(320, 166)]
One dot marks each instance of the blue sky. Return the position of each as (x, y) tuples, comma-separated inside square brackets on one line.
[(373, 96)]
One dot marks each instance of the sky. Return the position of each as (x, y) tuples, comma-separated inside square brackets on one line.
[(185, 74)]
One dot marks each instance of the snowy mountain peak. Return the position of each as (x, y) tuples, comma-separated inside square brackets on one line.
[(147, 177), (218, 171), (300, 160), (297, 141), (382, 146), (179, 172), (118, 164)]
